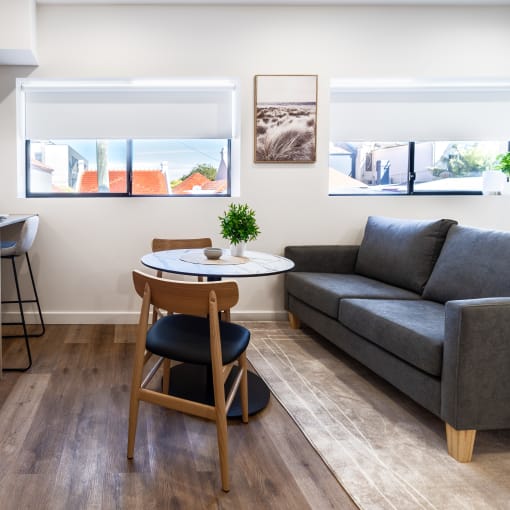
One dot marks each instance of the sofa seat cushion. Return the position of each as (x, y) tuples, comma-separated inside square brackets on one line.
[(401, 252), (323, 291), (473, 264), (411, 330)]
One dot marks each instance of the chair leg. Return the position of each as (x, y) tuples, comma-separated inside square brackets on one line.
[(134, 406), (133, 422), (134, 402), (154, 315), (221, 430), (221, 421), (23, 323), (244, 386), (166, 375)]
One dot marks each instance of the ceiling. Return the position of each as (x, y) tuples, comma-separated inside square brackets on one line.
[(283, 2)]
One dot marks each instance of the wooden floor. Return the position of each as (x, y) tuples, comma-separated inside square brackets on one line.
[(63, 433)]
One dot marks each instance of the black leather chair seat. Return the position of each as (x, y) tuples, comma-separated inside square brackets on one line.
[(186, 338)]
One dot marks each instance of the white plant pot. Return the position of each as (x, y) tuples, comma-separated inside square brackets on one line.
[(237, 250), (506, 187), (493, 182)]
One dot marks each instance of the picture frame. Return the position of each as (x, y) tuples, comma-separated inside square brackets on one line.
[(285, 118)]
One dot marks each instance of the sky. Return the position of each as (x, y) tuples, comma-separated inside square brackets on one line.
[(286, 89), (180, 155)]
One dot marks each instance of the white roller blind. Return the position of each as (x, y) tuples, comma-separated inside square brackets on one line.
[(180, 109), (419, 111)]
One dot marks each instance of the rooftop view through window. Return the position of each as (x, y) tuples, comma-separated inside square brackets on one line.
[(157, 167)]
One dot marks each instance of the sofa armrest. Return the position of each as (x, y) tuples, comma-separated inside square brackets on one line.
[(475, 385), (323, 259)]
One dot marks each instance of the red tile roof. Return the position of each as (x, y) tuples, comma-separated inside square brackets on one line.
[(216, 186), (149, 182), (145, 182), (196, 179)]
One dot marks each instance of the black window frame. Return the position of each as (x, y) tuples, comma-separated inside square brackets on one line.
[(129, 180), (411, 176)]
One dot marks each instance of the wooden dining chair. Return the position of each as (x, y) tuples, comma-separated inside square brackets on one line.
[(193, 334), (162, 244), (180, 244)]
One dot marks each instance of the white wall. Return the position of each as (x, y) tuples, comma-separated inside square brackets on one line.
[(87, 247)]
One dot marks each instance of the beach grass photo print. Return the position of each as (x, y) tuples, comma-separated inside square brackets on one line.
[(285, 118)]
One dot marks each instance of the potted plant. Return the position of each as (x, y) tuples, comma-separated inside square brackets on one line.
[(238, 225), (503, 164), (495, 178), (495, 182)]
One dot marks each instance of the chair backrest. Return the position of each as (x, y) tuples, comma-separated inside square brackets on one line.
[(186, 297), (27, 235), (180, 244)]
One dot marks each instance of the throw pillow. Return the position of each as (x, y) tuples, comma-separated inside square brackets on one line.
[(401, 252), (473, 264)]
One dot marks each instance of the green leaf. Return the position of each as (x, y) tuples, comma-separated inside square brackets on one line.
[(238, 224)]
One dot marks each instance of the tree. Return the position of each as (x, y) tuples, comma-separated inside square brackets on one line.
[(462, 162), (202, 168)]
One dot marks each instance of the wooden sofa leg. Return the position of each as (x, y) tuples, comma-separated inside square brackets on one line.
[(460, 443), (295, 323)]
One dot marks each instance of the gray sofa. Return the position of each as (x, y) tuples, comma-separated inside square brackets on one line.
[(424, 304)]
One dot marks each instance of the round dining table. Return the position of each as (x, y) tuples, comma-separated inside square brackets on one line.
[(194, 381), (194, 262)]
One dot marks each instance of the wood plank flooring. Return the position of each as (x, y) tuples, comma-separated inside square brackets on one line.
[(63, 433)]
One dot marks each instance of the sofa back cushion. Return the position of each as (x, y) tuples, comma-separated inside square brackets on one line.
[(474, 263), (401, 252)]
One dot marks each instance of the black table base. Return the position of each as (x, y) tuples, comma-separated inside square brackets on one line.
[(194, 382)]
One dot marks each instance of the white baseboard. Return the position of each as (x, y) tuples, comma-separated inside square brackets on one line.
[(126, 317), (260, 316)]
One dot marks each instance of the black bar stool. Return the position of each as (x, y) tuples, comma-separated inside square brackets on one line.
[(10, 250)]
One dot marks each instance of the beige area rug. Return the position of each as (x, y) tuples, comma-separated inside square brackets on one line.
[(385, 450)]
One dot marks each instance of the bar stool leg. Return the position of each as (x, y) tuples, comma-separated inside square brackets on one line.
[(23, 323), (36, 300)]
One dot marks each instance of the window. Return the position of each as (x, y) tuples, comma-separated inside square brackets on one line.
[(368, 167), (453, 166), (128, 138), (447, 135), (384, 168)]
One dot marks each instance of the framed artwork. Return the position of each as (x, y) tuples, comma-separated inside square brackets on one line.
[(285, 118)]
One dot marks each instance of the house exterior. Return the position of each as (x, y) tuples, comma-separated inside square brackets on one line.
[(145, 182)]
